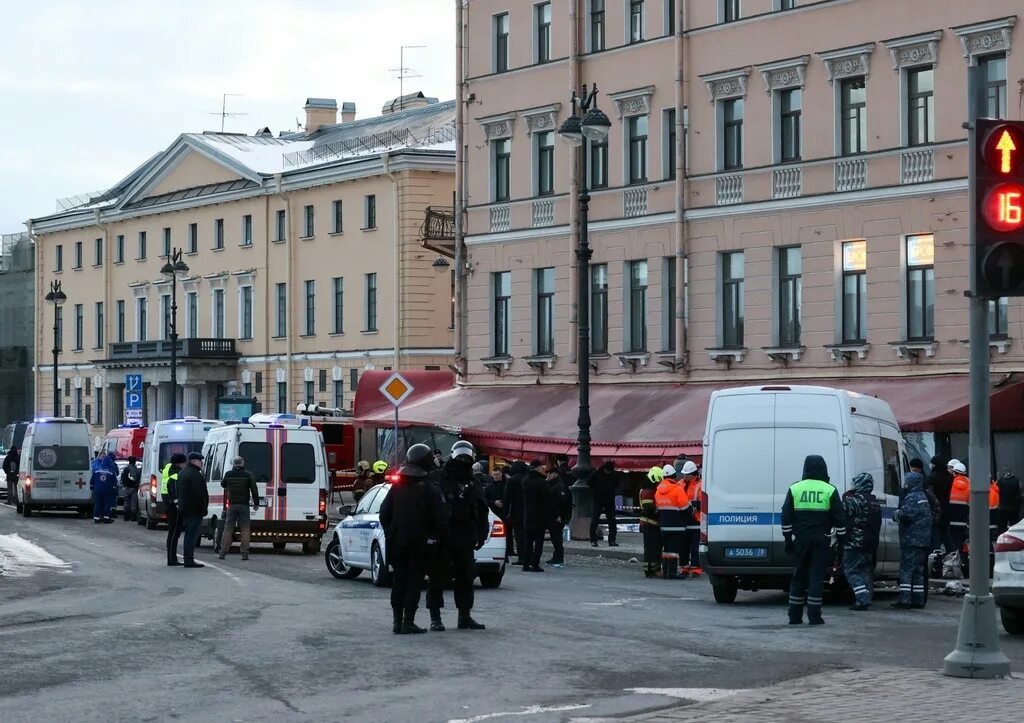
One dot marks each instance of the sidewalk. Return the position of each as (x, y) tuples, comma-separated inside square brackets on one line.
[(855, 696), (631, 546)]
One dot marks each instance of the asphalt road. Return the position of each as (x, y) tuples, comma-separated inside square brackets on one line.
[(117, 635)]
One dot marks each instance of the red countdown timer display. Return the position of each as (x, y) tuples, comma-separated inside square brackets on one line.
[(1003, 207)]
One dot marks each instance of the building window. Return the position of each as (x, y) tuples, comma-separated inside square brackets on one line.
[(218, 314), (853, 114), (310, 307), (309, 392), (636, 21), (501, 152), (732, 300), (637, 306), (165, 315), (259, 382), (58, 261), (371, 303), (98, 252), (502, 283), (598, 163), (246, 389), (920, 106), (993, 86), (338, 216), (855, 292), (247, 230), (596, 25), (370, 212), (669, 162), (167, 243), (545, 163), (279, 221), (99, 407), (323, 380), (543, 12), (142, 319), (732, 134), (790, 110), (193, 238), (99, 325), (67, 391), (637, 150), (998, 327), (501, 43), (785, 4), (58, 323), (119, 249), (88, 386), (670, 17), (78, 255), (920, 287), (142, 246), (218, 233), (339, 394), (120, 320), (307, 222), (353, 379), (544, 282), (281, 328), (730, 11), (245, 302), (282, 397), (78, 403), (790, 292), (79, 327), (671, 292), (192, 314), (599, 309), (338, 292)]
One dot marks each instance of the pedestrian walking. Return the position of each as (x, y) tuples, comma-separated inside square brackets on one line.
[(131, 476), (691, 482), (193, 505), (512, 502), (468, 528), (239, 488), (811, 510), (959, 504), (649, 526), (535, 515), (10, 466), (604, 485), (673, 506), (863, 530), (103, 483), (559, 511), (914, 516), (1009, 500), (414, 519), (169, 496)]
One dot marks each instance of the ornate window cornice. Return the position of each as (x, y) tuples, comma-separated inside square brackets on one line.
[(727, 84), (140, 289), (190, 283), (991, 36), (498, 127), (783, 74), (244, 278), (216, 281), (921, 49), (541, 119), (633, 102), (848, 62)]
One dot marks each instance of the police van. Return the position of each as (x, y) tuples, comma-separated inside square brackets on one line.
[(163, 439), (755, 443), (54, 470), (286, 456)]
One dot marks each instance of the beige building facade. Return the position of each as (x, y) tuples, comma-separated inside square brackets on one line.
[(305, 267)]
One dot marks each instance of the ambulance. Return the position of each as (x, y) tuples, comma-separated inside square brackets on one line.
[(164, 439), (54, 471), (286, 456)]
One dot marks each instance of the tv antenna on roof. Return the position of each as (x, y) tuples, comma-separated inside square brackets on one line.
[(404, 73), (224, 109)]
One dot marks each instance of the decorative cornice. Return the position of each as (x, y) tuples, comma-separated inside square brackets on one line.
[(991, 36), (498, 127), (789, 73), (848, 62), (921, 49), (541, 119), (633, 102), (245, 277), (190, 283), (727, 84)]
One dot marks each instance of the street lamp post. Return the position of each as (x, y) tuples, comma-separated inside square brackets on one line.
[(171, 269), (56, 297), (587, 122)]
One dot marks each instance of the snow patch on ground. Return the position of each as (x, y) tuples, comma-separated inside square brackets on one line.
[(21, 558), (698, 695)]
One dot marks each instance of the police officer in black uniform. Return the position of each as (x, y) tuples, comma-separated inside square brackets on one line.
[(169, 492), (414, 519), (467, 531)]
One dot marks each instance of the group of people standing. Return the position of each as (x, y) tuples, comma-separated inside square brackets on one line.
[(670, 515)]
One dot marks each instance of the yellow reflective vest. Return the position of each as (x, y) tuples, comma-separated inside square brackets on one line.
[(165, 477)]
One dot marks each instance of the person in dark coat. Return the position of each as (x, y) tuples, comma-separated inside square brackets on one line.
[(863, 529), (941, 482), (193, 504), (103, 483), (604, 485), (494, 493), (415, 520), (240, 491), (512, 502), (915, 520), (11, 464), (535, 515), (559, 511), (131, 477), (1010, 511)]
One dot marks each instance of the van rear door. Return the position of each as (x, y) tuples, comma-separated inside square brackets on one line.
[(298, 493), (74, 463), (258, 453)]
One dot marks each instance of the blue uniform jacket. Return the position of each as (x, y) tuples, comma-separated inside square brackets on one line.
[(914, 514), (103, 479)]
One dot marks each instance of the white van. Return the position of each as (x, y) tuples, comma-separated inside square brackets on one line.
[(754, 448), (54, 472), (164, 439), (286, 456)]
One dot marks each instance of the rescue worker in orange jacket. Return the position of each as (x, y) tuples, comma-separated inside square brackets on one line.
[(649, 524), (673, 508), (692, 484), (959, 499)]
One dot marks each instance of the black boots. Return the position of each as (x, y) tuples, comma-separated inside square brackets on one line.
[(436, 626), (397, 628), (404, 623), (468, 623)]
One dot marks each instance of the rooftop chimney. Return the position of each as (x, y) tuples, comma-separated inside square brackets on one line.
[(348, 111), (320, 112)]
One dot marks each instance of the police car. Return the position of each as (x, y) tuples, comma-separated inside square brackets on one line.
[(358, 544), (1008, 578)]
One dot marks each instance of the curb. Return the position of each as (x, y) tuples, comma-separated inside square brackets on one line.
[(605, 552)]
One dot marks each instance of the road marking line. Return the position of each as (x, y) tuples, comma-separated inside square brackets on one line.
[(530, 710), (21, 558), (622, 602), (222, 571), (699, 695)]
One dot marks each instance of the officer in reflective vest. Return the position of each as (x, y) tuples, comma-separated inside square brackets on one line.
[(169, 496), (812, 508)]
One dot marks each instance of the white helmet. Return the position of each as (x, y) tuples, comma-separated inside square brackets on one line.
[(958, 466), (668, 470), (689, 467)]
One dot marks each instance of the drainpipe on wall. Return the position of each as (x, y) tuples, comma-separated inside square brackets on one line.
[(574, 179), (460, 195), (680, 361), (290, 288), (386, 158)]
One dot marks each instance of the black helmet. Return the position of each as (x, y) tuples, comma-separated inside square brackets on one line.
[(420, 455)]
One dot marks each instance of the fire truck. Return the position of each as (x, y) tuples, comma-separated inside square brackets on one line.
[(339, 435)]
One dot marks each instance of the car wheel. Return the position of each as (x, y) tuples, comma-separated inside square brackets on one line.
[(279, 546), (336, 565), (725, 592), (378, 570), (491, 580), (150, 523), (1013, 620), (139, 519)]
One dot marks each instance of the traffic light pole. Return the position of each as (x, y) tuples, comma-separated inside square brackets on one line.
[(977, 653)]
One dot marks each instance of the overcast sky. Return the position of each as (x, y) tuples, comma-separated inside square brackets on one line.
[(92, 89)]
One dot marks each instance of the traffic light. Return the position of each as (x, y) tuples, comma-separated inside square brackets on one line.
[(998, 198)]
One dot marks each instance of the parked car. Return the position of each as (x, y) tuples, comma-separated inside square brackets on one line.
[(358, 544), (1008, 578)]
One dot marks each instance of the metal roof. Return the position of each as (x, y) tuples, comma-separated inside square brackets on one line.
[(194, 192)]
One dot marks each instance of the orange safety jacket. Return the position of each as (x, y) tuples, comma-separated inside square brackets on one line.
[(648, 507), (693, 489), (959, 499), (993, 506), (673, 505)]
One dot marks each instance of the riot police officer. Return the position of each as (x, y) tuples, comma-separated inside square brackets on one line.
[(169, 496), (467, 532)]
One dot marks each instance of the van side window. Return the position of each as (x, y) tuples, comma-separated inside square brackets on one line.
[(258, 458), (217, 464), (892, 462)]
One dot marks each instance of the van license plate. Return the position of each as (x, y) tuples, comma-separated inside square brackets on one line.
[(746, 553)]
